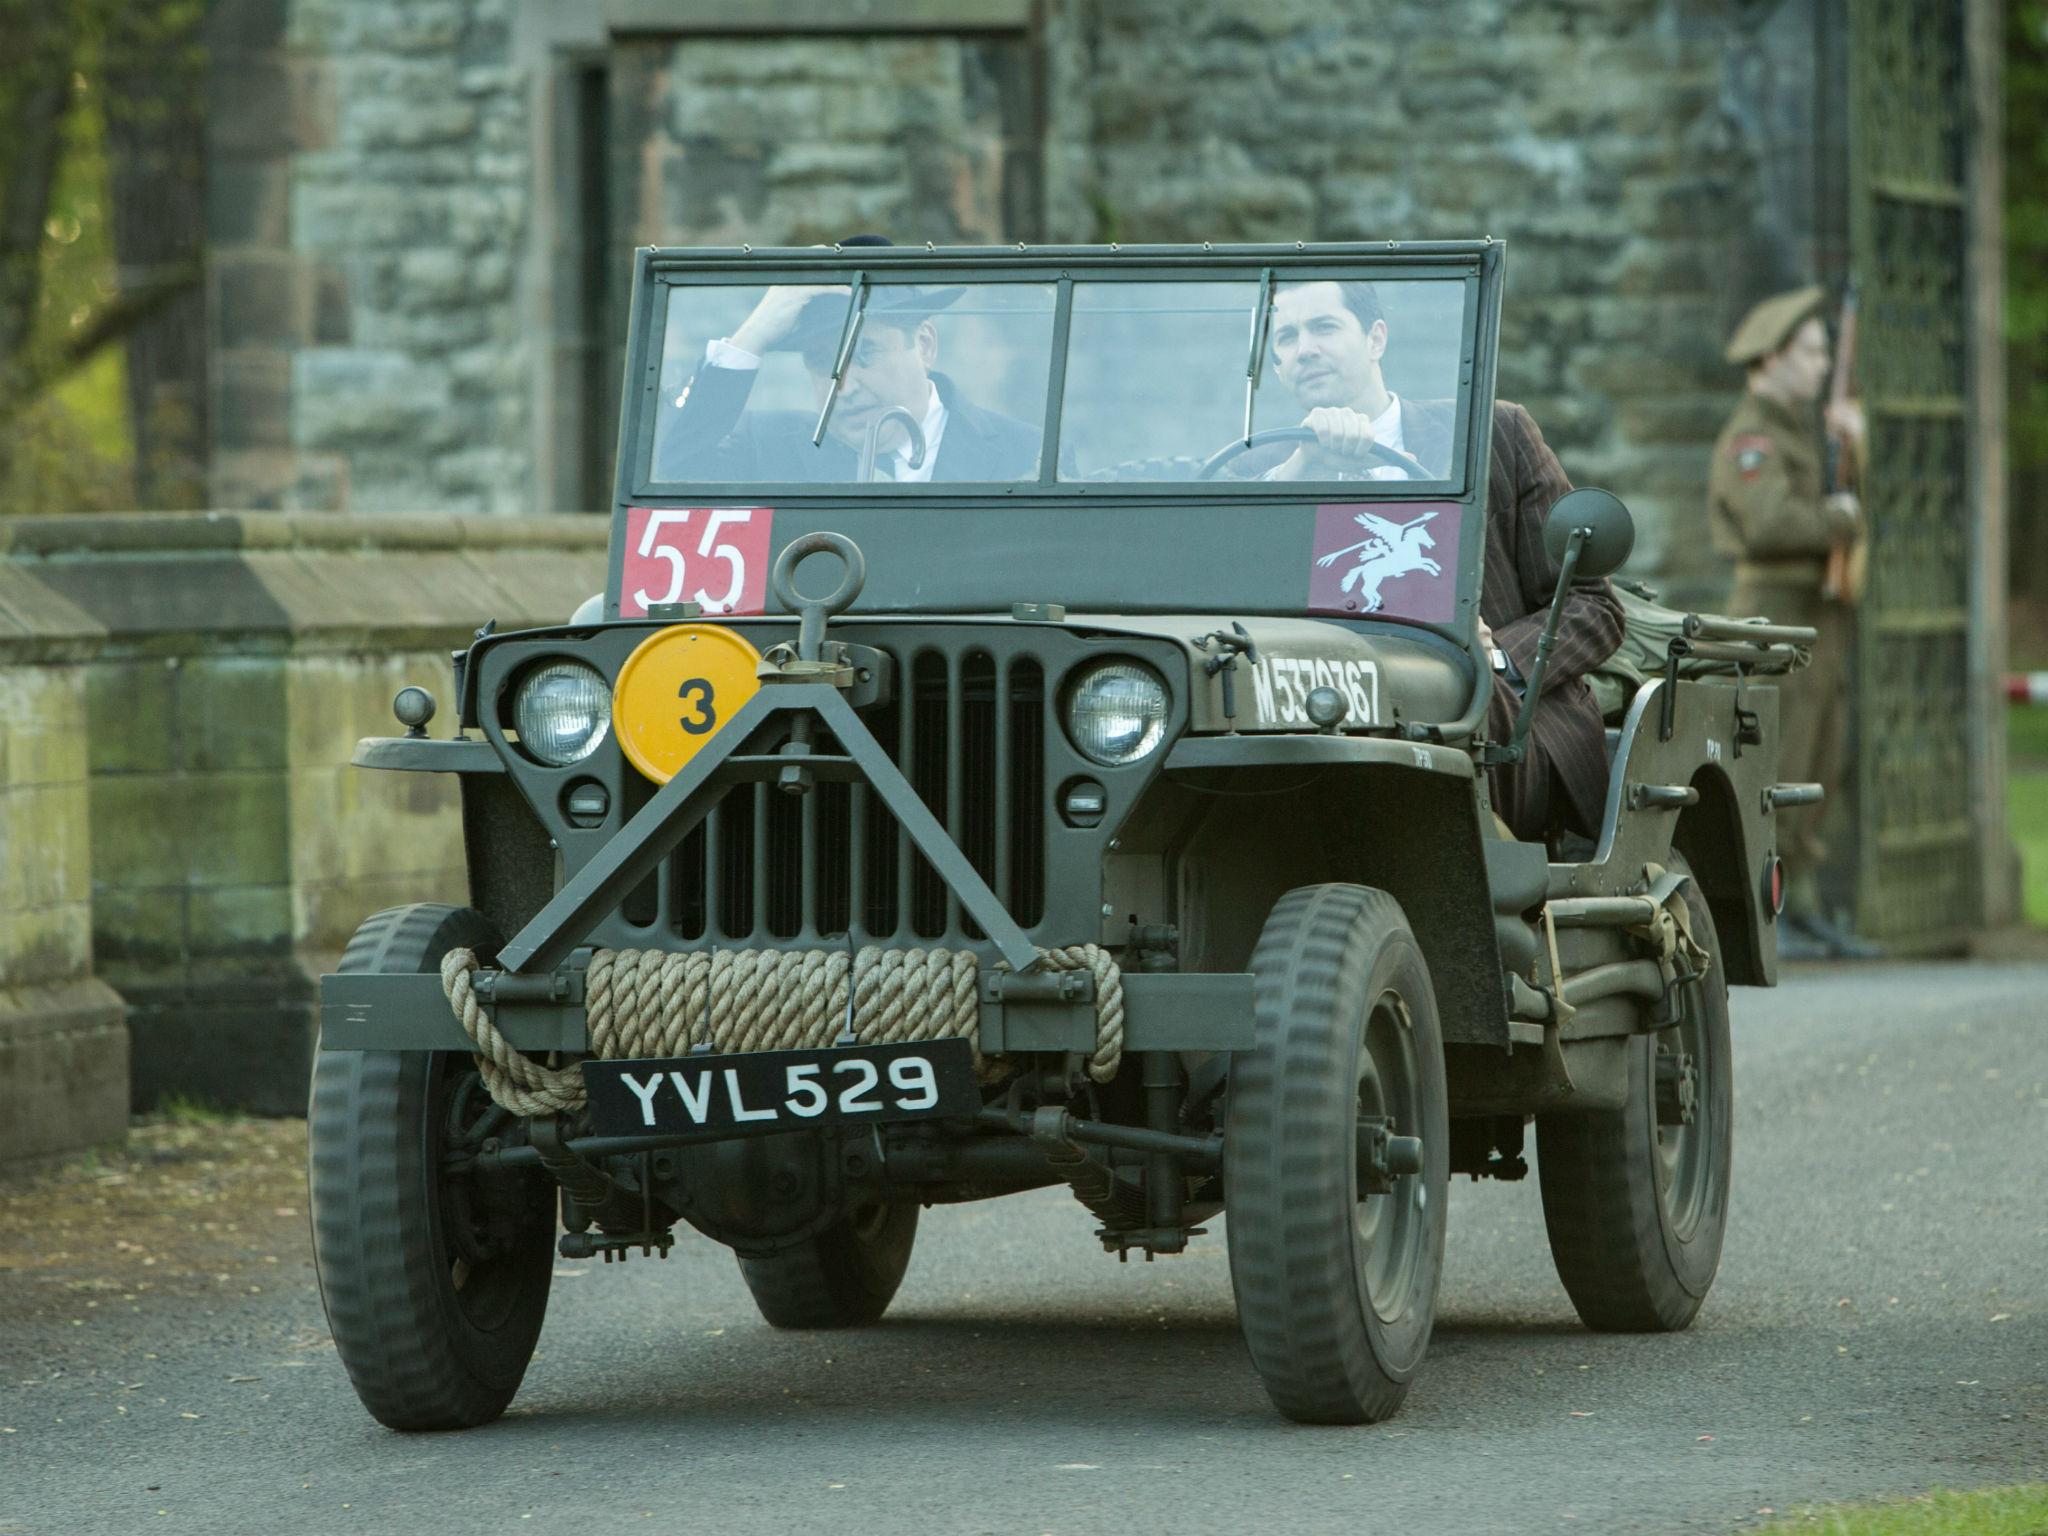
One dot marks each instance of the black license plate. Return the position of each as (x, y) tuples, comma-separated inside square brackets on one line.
[(752, 1092)]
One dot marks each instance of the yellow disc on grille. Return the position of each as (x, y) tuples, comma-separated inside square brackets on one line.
[(677, 691)]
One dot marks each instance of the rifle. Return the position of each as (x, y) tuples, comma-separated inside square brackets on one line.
[(1842, 579)]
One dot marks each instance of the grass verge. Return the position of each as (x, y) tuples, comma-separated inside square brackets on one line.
[(2026, 802), (2021, 1510), (2027, 807)]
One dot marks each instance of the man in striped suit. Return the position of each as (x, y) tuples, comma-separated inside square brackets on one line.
[(1328, 340)]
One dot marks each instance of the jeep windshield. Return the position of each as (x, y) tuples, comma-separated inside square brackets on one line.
[(849, 378), (1272, 429)]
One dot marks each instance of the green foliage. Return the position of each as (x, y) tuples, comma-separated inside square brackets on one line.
[(2026, 231), (2021, 1510), (70, 449), (2026, 736), (177, 1109), (2026, 807), (101, 118)]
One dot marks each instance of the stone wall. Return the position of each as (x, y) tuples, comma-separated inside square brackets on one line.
[(63, 1038), (235, 663), (450, 312), (369, 205), (1607, 141)]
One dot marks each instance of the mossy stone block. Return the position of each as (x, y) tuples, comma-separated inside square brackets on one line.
[(333, 701), (63, 1068), (231, 712), (138, 931), (42, 725), (240, 920), (131, 709), (45, 852), (227, 828), (45, 945)]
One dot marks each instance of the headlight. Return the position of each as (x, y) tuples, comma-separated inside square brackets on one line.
[(563, 711), (1116, 712)]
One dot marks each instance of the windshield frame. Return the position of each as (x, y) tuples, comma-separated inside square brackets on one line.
[(667, 274), (1026, 535)]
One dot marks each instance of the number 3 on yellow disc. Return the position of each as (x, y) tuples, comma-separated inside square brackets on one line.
[(677, 691)]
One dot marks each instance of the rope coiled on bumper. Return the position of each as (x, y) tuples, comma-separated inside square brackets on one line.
[(649, 1002)]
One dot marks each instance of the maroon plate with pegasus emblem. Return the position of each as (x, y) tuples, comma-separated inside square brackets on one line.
[(1397, 558)]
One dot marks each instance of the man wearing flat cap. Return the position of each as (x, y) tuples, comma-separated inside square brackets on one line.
[(889, 374), (1770, 510)]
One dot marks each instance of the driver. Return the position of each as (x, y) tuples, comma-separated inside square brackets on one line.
[(1328, 339), (890, 368)]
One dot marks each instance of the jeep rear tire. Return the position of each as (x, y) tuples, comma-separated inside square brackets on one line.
[(435, 1282), (845, 1277), (1336, 1286), (1636, 1199)]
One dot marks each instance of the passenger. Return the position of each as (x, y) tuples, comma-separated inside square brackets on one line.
[(1328, 339), (891, 367)]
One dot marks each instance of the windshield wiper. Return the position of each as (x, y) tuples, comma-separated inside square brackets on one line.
[(849, 333), (1260, 318)]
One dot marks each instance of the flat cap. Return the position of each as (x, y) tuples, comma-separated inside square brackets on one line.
[(1771, 324)]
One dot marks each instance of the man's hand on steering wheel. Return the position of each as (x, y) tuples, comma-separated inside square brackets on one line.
[(1344, 443), (1266, 436)]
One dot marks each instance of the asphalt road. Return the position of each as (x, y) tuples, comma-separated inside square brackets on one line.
[(1880, 1326)]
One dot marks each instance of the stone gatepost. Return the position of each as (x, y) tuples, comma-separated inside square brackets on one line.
[(63, 1034), (233, 848)]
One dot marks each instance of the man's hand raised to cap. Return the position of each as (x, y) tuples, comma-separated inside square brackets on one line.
[(776, 315)]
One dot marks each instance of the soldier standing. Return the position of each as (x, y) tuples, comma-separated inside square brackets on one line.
[(1770, 509)]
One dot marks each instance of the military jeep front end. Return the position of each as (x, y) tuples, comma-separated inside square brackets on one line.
[(1105, 808)]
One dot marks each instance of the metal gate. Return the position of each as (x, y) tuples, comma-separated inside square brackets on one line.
[(1917, 880)]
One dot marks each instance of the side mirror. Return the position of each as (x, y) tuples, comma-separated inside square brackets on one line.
[(1612, 535), (1606, 534)]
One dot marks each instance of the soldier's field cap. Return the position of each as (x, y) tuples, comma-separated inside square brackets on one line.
[(1771, 324)]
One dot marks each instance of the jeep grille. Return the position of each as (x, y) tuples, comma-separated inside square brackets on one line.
[(968, 730)]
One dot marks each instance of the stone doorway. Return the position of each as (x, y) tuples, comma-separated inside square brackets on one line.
[(777, 139)]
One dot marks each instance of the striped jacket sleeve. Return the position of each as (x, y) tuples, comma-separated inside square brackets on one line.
[(1525, 480)]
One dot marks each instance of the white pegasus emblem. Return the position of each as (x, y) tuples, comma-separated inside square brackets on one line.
[(1394, 549)]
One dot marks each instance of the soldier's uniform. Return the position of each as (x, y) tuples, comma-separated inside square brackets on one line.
[(1768, 511)]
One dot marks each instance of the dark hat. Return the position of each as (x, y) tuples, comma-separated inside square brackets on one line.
[(900, 304), (1770, 325)]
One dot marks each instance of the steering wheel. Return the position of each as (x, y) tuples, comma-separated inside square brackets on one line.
[(1236, 446)]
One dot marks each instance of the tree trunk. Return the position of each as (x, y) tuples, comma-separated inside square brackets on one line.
[(155, 102), (35, 90)]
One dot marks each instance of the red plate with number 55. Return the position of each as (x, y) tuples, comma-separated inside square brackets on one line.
[(715, 557), (755, 1092)]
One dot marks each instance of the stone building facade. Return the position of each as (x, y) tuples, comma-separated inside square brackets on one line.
[(423, 211)]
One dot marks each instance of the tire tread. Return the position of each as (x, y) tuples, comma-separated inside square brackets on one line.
[(375, 1265), (1291, 1265)]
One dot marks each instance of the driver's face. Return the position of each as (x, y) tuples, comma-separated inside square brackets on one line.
[(1320, 350), (888, 369)]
